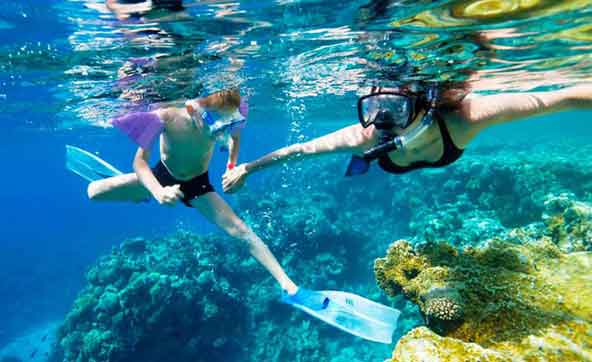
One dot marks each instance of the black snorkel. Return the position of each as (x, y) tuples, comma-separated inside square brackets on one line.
[(389, 141)]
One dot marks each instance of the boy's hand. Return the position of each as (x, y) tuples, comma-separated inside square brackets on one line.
[(169, 195), (234, 179)]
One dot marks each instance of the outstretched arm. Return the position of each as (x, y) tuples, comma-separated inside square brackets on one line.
[(485, 111), (352, 139), (123, 11)]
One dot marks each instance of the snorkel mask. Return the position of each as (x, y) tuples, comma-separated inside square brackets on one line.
[(386, 110), (220, 124)]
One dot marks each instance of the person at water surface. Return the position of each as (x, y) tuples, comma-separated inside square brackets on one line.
[(187, 139), (409, 128), (125, 9)]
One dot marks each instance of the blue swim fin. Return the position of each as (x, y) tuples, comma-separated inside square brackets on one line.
[(357, 166), (87, 165), (349, 312)]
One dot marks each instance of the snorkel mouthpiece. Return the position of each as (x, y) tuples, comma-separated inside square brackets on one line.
[(220, 125)]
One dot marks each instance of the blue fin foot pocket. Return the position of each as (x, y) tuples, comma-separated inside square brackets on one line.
[(308, 298)]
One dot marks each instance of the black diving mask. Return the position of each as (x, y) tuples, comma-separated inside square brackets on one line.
[(386, 110)]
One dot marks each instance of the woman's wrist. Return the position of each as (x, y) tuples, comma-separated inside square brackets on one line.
[(156, 191)]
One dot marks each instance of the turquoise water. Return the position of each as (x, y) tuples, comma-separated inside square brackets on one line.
[(66, 67)]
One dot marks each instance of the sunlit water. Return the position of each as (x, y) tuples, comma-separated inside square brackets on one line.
[(66, 67)]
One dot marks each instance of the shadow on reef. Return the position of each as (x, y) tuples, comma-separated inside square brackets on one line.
[(527, 300)]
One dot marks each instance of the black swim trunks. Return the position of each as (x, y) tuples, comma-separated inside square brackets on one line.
[(191, 189)]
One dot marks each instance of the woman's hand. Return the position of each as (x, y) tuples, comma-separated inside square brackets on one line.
[(169, 195), (234, 179)]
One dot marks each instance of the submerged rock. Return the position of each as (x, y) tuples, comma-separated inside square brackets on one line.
[(500, 302)]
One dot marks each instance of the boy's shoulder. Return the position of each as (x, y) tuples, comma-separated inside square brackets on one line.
[(170, 113)]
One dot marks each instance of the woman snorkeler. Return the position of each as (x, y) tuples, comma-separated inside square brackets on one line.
[(425, 125), (410, 128)]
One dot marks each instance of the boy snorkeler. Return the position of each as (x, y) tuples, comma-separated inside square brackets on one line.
[(187, 140)]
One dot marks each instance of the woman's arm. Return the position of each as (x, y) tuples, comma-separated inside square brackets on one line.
[(484, 111), (123, 11), (352, 139)]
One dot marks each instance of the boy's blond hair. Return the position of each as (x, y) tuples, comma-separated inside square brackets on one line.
[(223, 99)]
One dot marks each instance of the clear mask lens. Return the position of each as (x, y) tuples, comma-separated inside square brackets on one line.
[(227, 123), (398, 106)]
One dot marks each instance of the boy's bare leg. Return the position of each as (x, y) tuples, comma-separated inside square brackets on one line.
[(118, 188), (217, 211)]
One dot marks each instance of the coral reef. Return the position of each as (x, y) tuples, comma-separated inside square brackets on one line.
[(499, 302), (482, 196), (150, 301), (201, 297), (569, 222)]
